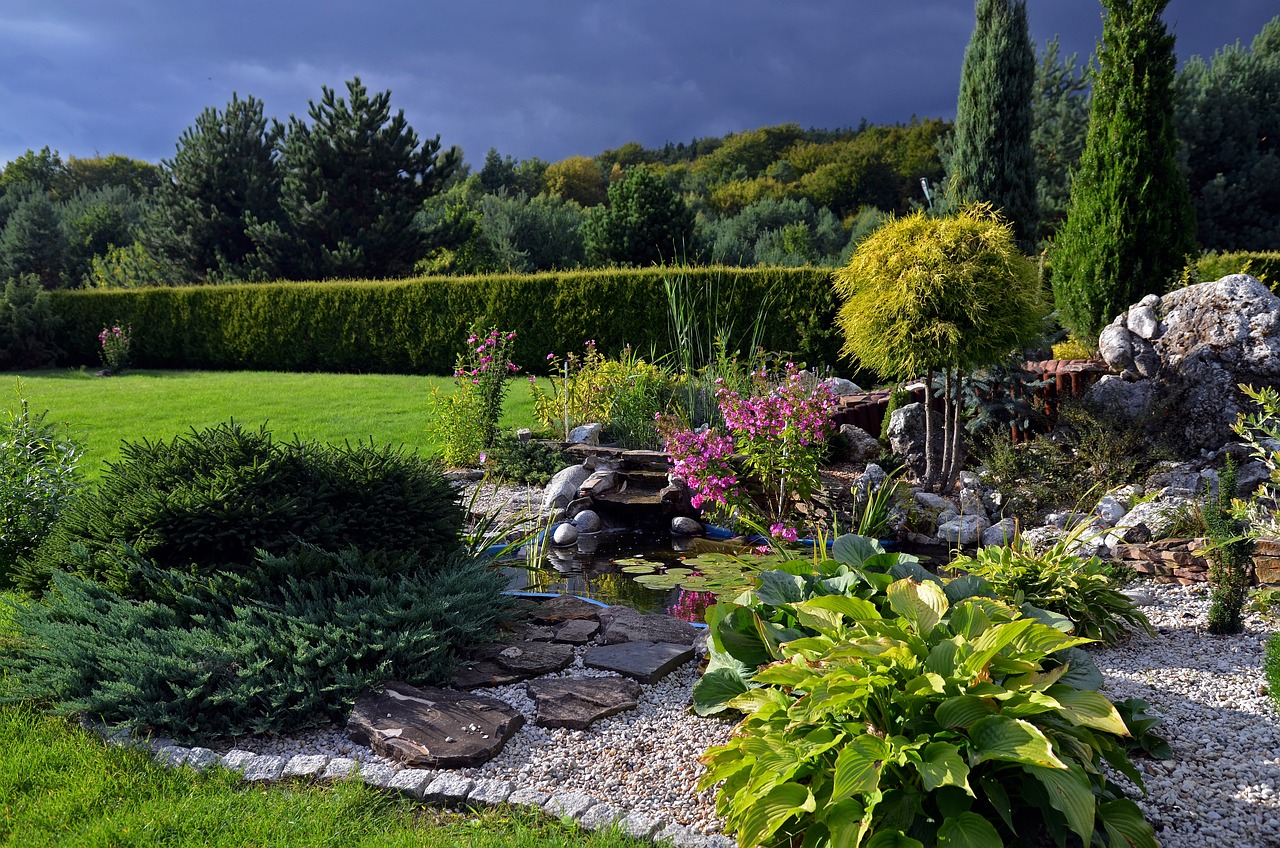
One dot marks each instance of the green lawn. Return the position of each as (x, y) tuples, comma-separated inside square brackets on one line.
[(103, 411)]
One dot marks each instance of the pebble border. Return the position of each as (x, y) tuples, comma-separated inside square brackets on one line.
[(427, 786)]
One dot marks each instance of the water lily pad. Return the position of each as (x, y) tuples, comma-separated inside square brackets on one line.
[(639, 568), (659, 581)]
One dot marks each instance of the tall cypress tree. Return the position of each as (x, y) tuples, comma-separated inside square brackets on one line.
[(1130, 225), (992, 159)]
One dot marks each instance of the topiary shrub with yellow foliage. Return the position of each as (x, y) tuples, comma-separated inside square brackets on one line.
[(936, 297)]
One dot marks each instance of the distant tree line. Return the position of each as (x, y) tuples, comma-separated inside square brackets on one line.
[(352, 191)]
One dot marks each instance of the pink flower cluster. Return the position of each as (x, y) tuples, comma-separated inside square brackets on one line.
[(691, 605), (483, 353), (701, 458), (114, 342), (790, 410)]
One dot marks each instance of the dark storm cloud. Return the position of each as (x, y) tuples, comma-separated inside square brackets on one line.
[(549, 79)]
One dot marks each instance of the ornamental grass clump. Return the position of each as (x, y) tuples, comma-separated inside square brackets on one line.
[(765, 462)]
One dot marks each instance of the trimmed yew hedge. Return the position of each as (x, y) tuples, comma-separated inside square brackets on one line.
[(418, 326)]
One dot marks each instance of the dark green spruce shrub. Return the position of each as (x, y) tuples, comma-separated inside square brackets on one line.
[(39, 475), (209, 500), (532, 463), (284, 646), (1230, 556)]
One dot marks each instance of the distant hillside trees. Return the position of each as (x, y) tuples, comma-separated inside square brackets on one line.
[(645, 222)]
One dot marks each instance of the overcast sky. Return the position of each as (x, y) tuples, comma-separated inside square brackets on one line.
[(546, 78)]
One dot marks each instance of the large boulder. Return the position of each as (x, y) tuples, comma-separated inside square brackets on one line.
[(906, 433), (1194, 346)]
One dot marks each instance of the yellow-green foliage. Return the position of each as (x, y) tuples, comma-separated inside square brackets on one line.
[(595, 382), (924, 293), (1073, 348), (417, 326), (1214, 266)]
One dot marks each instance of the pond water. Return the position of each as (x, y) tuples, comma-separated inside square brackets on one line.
[(594, 569)]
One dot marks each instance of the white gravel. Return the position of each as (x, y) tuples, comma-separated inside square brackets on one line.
[(1222, 788)]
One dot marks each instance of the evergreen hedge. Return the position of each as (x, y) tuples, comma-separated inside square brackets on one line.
[(1263, 266), (418, 326)]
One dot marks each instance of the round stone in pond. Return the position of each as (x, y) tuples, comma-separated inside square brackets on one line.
[(564, 534), (587, 521), (683, 525)]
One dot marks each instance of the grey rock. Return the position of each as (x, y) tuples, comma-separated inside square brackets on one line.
[(1158, 516), (378, 774), (448, 789), (579, 703), (263, 768), (680, 836), (1142, 321), (172, 755), (491, 792), (236, 759), (647, 662), (412, 782), (564, 534), (578, 632), (602, 482), (585, 434), (718, 840), (906, 434), (1152, 300), (1066, 520), (587, 521), (534, 658), (935, 502), (641, 825), (432, 728), (482, 674), (1139, 597), (535, 633), (964, 530), (563, 487), (1250, 476), (202, 758), (305, 765), (576, 506), (683, 525), (339, 768), (1041, 538), (623, 624), (860, 444), (840, 386), (524, 434), (529, 797), (1110, 510), (971, 503), (1115, 346), (1128, 401), (564, 608), (599, 817), (1178, 475), (569, 805), (1002, 532)]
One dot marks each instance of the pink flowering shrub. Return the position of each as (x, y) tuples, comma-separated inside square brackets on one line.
[(114, 342), (466, 420), (767, 459)]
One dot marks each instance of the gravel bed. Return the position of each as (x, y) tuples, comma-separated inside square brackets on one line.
[(1222, 788)]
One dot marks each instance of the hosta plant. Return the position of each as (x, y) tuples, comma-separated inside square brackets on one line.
[(919, 714), (1060, 581)]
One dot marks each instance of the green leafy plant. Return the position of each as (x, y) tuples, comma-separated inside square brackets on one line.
[(878, 510), (39, 475), (896, 710), (467, 418), (1265, 602), (1059, 581), (1271, 667), (1230, 556), (530, 462), (211, 500), (1259, 429)]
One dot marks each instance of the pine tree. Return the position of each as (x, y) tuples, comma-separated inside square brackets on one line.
[(992, 160), (645, 223), (1061, 110), (355, 177), (32, 241), (1130, 225), (222, 182)]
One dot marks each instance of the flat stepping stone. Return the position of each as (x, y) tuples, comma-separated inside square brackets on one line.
[(432, 728), (577, 703), (623, 624), (534, 658), (647, 662), (576, 632), (565, 608), (535, 633), (481, 674)]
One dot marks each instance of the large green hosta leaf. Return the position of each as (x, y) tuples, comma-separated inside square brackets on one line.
[(1069, 793), (771, 811), (1012, 740), (968, 830), (715, 689), (858, 767), (921, 604)]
